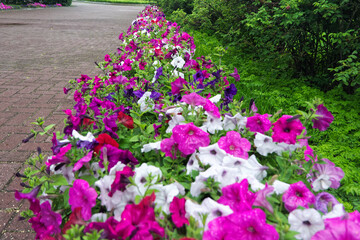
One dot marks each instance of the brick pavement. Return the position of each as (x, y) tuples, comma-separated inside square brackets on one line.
[(40, 51)]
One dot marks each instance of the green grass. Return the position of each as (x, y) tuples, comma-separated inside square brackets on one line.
[(270, 83), (123, 1)]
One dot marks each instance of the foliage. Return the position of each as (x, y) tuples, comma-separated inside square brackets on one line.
[(272, 87), (316, 34), (46, 2), (171, 6)]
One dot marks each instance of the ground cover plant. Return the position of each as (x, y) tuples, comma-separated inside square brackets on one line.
[(157, 147), (5, 7)]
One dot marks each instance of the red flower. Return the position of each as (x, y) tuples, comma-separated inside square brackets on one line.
[(103, 139), (126, 120), (74, 219)]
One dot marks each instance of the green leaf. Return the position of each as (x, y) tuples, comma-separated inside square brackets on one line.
[(49, 127), (134, 138), (89, 178)]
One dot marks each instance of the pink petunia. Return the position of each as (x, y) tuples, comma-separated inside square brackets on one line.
[(194, 99), (82, 195), (258, 123), (237, 196), (82, 161), (286, 129), (189, 138), (233, 144), (324, 118), (298, 195)]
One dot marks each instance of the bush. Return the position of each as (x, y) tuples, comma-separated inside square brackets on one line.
[(318, 35)]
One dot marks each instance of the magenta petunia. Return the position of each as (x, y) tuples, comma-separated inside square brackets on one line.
[(138, 220), (235, 75), (178, 85), (258, 123), (82, 161), (237, 196), (82, 195), (340, 228), (189, 138), (233, 144), (31, 197), (50, 218), (194, 99), (241, 225), (211, 109), (286, 129), (298, 195), (324, 118), (169, 147), (177, 208)]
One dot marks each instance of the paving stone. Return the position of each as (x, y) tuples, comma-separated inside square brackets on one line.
[(37, 60)]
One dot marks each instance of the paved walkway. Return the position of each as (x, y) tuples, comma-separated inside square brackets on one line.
[(40, 51)]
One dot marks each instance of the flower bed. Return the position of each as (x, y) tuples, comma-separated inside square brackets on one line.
[(5, 7), (157, 147)]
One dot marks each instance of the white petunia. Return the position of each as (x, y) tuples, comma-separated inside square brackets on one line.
[(151, 146), (264, 144), (212, 155), (165, 195), (212, 124), (216, 98), (105, 186), (322, 182), (280, 187), (142, 175), (230, 123), (306, 222), (145, 102), (337, 211), (208, 207), (89, 136), (176, 120), (178, 62)]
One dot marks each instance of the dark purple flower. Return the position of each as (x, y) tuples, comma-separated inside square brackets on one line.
[(159, 72), (121, 180), (230, 91), (155, 95), (110, 125), (115, 155), (138, 93)]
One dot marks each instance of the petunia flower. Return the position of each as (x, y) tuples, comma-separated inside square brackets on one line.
[(340, 228), (326, 175), (237, 121), (306, 222), (31, 197), (75, 218), (189, 138), (264, 144), (178, 62), (125, 120), (178, 85), (194, 99), (121, 180), (237, 196), (258, 123), (235, 75), (138, 220), (261, 200), (235, 145), (115, 155), (211, 109), (323, 118), (177, 210), (286, 129), (103, 139), (298, 195), (82, 161), (82, 195), (324, 200)]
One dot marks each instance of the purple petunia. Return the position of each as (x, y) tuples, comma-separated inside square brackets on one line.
[(323, 119)]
